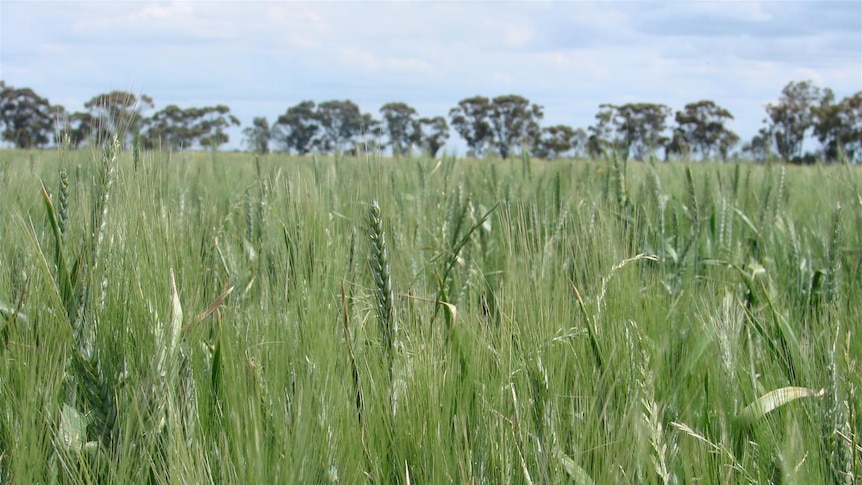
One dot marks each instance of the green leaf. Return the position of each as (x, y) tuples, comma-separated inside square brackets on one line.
[(64, 278), (73, 428), (775, 399), (575, 472)]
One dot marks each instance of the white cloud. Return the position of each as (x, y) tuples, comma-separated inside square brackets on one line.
[(407, 65), (164, 10), (516, 35)]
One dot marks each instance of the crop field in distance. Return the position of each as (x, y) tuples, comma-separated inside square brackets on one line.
[(228, 318)]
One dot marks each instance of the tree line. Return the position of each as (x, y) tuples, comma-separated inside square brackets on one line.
[(503, 126)]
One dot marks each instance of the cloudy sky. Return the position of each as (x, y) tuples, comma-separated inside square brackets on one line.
[(262, 57)]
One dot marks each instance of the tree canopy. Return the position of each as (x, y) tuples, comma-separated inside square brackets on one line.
[(471, 119), (27, 119), (258, 135), (634, 129), (500, 126), (401, 126), (701, 126), (117, 113), (178, 128)]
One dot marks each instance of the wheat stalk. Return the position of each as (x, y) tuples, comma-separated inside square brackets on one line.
[(99, 399), (63, 202), (385, 313), (382, 281), (651, 413)]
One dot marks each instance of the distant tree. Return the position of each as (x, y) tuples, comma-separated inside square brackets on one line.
[(77, 126), (559, 141), (26, 118), (369, 136), (701, 126), (793, 116), (170, 127), (838, 126), (603, 138), (341, 123), (505, 122), (257, 135), (433, 133), (634, 129), (760, 146), (177, 128), (471, 119), (514, 123), (400, 125), (297, 128), (211, 124), (117, 113), (676, 146), (726, 144)]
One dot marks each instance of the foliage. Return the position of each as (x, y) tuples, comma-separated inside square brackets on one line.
[(26, 118), (472, 120), (341, 123), (499, 126), (401, 127), (178, 128), (506, 123), (117, 113), (760, 146), (169, 128), (257, 135), (601, 139), (367, 140), (701, 126), (635, 129), (78, 126), (792, 116), (560, 141), (514, 122), (838, 126), (211, 124), (433, 133), (297, 128)]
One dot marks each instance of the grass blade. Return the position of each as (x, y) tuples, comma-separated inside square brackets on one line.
[(775, 399)]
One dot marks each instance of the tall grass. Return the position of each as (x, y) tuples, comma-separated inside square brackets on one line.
[(196, 318)]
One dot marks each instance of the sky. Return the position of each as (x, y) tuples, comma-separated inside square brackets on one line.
[(260, 58)]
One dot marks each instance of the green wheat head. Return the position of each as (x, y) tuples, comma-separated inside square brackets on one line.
[(382, 279)]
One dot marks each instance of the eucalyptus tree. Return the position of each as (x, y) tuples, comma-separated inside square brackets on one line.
[(257, 135), (793, 116), (433, 133), (471, 120), (341, 123), (178, 128), (297, 129), (838, 127), (701, 126), (401, 126), (27, 119), (117, 113), (514, 123), (634, 129), (211, 123), (759, 148), (559, 141), (505, 123)]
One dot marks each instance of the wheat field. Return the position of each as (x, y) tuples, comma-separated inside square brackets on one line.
[(227, 318)]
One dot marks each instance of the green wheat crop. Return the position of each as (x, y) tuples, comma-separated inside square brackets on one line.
[(192, 318)]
